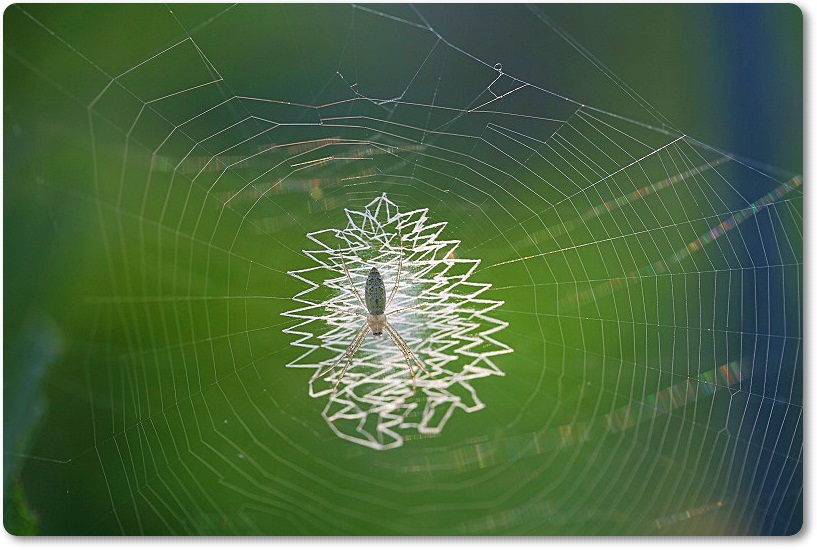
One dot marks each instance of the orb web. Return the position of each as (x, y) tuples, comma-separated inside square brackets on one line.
[(649, 282)]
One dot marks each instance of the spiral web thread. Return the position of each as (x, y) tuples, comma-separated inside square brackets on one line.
[(654, 283), (448, 328)]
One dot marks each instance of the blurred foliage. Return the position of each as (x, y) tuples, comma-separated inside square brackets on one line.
[(18, 517)]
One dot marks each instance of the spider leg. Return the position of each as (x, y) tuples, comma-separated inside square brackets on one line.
[(402, 309), (400, 343), (349, 278), (404, 348), (345, 310), (348, 354), (399, 269)]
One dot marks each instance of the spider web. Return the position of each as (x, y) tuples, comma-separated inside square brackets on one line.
[(201, 192), (449, 331)]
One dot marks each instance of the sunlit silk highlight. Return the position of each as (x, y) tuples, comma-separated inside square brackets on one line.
[(487, 452), (607, 207), (679, 517), (662, 266)]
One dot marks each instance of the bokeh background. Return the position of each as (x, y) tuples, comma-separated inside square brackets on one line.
[(628, 176)]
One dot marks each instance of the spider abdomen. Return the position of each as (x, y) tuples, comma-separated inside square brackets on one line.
[(375, 293)]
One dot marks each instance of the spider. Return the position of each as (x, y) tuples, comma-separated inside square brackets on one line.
[(375, 304)]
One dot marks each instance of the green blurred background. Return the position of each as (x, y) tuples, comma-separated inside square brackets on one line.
[(145, 388)]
